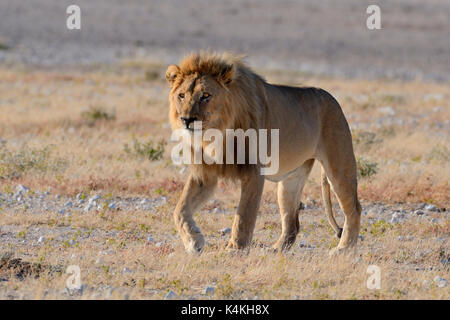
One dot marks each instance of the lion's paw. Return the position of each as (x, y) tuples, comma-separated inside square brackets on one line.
[(196, 245)]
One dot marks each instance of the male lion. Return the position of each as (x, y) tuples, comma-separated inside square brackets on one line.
[(223, 93)]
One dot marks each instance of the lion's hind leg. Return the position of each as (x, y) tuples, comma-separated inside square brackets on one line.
[(289, 194), (344, 185)]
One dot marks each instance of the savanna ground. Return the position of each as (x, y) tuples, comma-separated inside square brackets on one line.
[(104, 131)]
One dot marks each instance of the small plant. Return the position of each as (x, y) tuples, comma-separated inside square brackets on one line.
[(15, 164), (380, 227), (152, 75), (365, 139), (439, 153), (21, 234), (3, 46), (147, 150), (95, 114), (366, 168)]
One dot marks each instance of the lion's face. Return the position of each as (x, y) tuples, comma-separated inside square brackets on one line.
[(199, 97)]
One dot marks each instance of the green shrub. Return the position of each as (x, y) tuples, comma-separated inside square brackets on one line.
[(26, 159), (147, 150), (96, 114), (366, 168)]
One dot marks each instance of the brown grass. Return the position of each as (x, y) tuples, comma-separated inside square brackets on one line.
[(43, 108)]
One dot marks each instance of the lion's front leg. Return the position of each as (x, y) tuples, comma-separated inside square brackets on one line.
[(195, 192), (245, 218)]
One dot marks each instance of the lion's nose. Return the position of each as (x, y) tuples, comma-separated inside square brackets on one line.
[(188, 121)]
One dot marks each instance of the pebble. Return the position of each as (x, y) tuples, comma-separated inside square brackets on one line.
[(441, 282), (68, 204), (170, 295), (150, 239), (94, 198), (158, 244), (88, 207), (112, 206), (208, 291), (126, 270), (405, 238), (57, 197), (225, 231), (419, 212), (431, 207), (41, 239)]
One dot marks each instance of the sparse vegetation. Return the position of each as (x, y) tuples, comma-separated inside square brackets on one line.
[(115, 248), (145, 150), (366, 168), (97, 114), (14, 164)]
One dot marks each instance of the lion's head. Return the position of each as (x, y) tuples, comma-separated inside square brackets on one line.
[(218, 90), (205, 87)]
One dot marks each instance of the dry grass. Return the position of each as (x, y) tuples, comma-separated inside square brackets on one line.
[(107, 243), (88, 117)]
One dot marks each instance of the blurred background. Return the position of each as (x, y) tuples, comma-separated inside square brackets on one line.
[(324, 37)]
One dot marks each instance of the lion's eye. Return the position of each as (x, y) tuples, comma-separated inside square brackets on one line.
[(205, 96), (181, 96)]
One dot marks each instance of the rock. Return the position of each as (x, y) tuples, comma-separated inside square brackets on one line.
[(94, 198), (72, 242), (431, 207), (112, 206), (433, 97), (388, 110), (57, 197), (395, 220), (78, 197), (88, 207), (126, 270), (150, 239), (426, 283), (68, 204), (158, 244), (62, 211), (170, 295), (405, 238), (357, 260), (41, 239), (208, 291), (22, 189), (441, 282), (419, 212), (225, 231), (302, 243)]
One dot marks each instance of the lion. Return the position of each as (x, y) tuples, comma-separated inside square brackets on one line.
[(223, 93)]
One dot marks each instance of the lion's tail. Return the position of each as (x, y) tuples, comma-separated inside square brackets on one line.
[(327, 204)]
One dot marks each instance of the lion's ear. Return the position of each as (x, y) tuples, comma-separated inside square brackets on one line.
[(171, 74), (227, 74)]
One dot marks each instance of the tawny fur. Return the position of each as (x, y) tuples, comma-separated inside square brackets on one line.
[(311, 126)]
